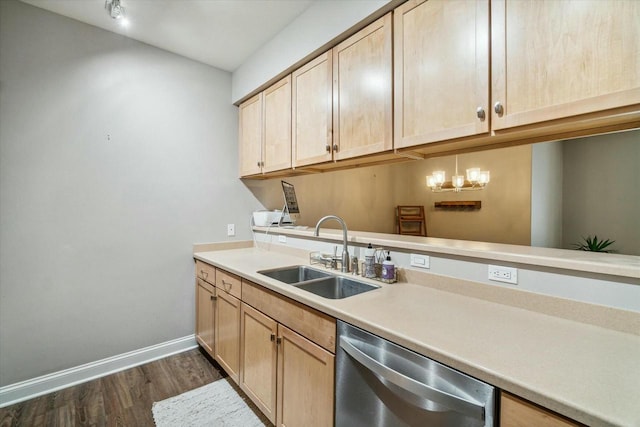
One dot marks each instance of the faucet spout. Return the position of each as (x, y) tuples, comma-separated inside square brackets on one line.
[(345, 248)]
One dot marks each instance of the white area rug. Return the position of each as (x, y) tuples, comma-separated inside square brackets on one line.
[(215, 404)]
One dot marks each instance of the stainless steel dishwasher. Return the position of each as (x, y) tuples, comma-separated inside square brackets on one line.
[(379, 383)]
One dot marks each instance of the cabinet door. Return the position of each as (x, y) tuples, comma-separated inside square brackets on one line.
[(250, 136), (515, 412), (277, 126), (555, 59), (311, 112), (441, 66), (205, 315), (362, 92), (258, 354), (305, 382), (227, 333)]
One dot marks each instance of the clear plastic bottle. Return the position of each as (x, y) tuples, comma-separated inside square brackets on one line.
[(369, 261)]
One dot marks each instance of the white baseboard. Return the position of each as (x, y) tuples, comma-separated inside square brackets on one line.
[(35, 387)]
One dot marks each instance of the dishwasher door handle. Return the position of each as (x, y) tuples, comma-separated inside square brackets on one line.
[(459, 404)]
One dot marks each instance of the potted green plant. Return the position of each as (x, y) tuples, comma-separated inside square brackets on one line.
[(594, 245)]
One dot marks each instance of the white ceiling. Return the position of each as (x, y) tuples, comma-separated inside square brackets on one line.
[(221, 33)]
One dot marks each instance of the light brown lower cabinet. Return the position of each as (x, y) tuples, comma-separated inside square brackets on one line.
[(205, 315), (258, 356), (516, 412), (305, 391), (288, 377), (227, 333)]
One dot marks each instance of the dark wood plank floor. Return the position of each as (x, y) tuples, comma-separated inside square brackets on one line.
[(121, 399)]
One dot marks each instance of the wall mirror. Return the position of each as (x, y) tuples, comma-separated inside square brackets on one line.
[(548, 194)]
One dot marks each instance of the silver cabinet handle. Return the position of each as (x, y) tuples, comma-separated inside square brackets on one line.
[(480, 113), (498, 108), (328, 148), (204, 274), (335, 147), (459, 404)]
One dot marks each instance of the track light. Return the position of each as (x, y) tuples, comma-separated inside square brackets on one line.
[(115, 9)]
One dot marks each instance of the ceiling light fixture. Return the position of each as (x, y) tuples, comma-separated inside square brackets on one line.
[(476, 180), (115, 9)]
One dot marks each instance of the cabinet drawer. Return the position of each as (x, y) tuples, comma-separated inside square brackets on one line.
[(205, 272), (230, 283), (516, 412), (308, 322)]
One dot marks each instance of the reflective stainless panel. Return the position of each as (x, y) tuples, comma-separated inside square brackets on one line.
[(379, 383)]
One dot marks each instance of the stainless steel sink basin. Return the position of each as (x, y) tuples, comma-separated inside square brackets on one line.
[(319, 282), (336, 287), (295, 274)]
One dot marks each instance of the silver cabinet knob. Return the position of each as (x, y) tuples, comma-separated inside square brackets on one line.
[(498, 108), (480, 113), (335, 147), (258, 164), (328, 148)]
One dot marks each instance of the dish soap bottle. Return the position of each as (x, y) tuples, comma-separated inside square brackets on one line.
[(388, 269), (369, 261)]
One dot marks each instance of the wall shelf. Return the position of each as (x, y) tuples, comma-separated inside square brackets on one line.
[(459, 205)]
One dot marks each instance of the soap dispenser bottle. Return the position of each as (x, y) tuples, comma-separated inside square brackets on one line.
[(388, 269)]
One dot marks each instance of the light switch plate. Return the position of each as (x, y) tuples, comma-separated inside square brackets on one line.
[(420, 261), (282, 239), (500, 273)]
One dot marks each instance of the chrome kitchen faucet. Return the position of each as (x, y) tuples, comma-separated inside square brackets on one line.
[(345, 249)]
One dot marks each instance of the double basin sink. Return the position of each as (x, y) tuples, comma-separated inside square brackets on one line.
[(318, 282)]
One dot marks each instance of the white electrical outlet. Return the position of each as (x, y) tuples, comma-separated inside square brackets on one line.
[(231, 229), (420, 261), (282, 239), (500, 273)]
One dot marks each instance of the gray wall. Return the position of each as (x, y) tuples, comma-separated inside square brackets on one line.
[(546, 194), (601, 190), (115, 157)]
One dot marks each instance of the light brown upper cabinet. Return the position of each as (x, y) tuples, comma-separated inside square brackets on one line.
[(557, 59), (441, 66), (265, 130), (250, 136), (311, 112), (276, 152), (362, 92)]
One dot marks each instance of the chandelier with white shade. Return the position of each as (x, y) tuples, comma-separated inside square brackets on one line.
[(476, 179)]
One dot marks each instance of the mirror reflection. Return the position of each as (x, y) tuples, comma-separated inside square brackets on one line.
[(553, 194)]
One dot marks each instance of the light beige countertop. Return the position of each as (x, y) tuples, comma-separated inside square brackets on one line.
[(583, 371)]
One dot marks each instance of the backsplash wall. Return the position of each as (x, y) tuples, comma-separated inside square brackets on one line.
[(366, 197)]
